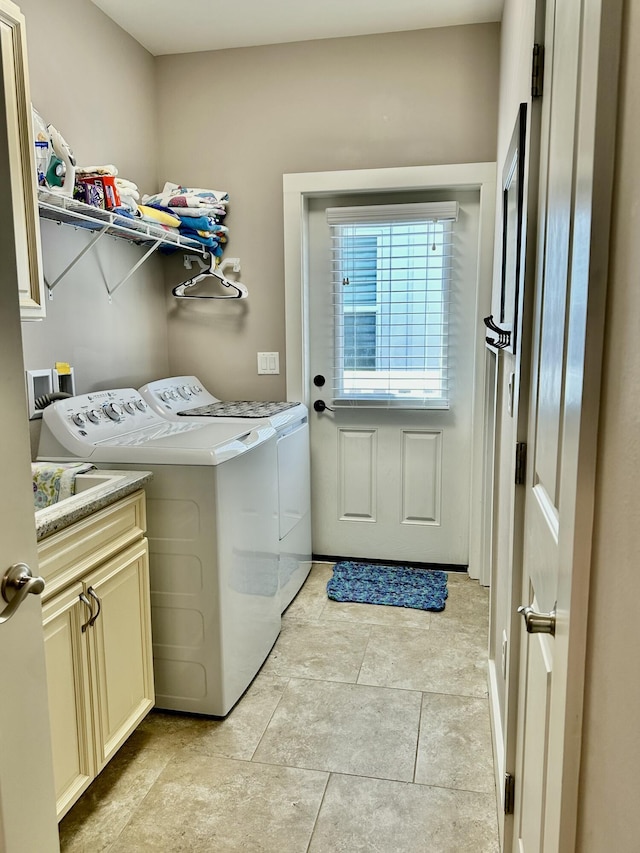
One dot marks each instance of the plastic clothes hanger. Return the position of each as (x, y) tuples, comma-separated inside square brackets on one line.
[(209, 271)]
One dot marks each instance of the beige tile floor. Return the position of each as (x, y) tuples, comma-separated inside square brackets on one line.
[(367, 729)]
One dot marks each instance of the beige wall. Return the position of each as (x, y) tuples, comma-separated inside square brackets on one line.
[(239, 119), (97, 86), (610, 781)]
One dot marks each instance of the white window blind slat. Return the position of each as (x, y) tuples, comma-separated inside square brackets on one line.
[(391, 273)]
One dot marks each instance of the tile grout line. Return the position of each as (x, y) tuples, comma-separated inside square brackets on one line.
[(415, 760), (270, 719), (322, 799)]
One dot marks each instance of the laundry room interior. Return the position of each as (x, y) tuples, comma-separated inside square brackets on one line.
[(262, 689)]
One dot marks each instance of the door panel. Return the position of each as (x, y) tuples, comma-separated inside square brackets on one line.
[(393, 483), (27, 799), (573, 227), (534, 769)]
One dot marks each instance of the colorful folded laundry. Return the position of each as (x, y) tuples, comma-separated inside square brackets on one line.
[(152, 214)]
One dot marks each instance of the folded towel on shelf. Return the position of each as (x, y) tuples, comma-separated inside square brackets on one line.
[(109, 169), (219, 196), (129, 203), (152, 214), (127, 187), (194, 235), (123, 211), (216, 212), (174, 195), (200, 223)]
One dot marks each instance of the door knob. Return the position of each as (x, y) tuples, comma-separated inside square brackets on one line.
[(321, 406), (16, 584), (538, 623)]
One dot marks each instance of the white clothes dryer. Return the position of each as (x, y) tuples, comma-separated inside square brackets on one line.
[(212, 519), (180, 398)]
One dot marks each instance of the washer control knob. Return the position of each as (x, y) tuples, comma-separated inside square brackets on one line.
[(78, 419), (166, 396), (185, 392), (140, 404), (129, 407), (113, 411), (94, 416)]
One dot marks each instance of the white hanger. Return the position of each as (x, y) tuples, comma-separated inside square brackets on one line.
[(208, 270)]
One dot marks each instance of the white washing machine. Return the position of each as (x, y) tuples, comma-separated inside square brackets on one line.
[(212, 519), (180, 398)]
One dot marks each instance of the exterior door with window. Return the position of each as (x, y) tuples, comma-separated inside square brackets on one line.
[(392, 332)]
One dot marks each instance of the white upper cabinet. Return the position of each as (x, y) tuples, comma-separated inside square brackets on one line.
[(19, 207)]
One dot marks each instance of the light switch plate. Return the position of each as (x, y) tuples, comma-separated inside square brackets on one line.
[(268, 362)]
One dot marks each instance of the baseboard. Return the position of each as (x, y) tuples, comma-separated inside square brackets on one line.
[(443, 567)]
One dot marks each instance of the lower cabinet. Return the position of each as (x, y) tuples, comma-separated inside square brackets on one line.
[(99, 667)]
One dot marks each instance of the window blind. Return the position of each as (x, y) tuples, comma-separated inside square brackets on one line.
[(391, 275)]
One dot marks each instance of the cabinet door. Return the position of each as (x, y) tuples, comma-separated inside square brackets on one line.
[(122, 671), (21, 211), (66, 652)]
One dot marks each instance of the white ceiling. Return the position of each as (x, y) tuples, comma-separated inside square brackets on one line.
[(171, 26)]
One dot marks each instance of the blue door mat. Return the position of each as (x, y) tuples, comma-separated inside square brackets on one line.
[(397, 586)]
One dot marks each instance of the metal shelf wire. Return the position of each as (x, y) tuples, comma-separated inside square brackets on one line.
[(68, 211)]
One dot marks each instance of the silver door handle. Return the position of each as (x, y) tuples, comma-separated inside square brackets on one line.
[(538, 623), (83, 598), (17, 583), (95, 615)]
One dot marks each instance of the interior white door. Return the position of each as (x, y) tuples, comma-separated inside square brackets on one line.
[(393, 483), (27, 799), (562, 422)]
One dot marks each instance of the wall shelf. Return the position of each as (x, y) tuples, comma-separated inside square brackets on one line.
[(68, 211)]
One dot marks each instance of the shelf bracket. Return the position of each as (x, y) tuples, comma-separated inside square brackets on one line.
[(146, 255), (92, 242)]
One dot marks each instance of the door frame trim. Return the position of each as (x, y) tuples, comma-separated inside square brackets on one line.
[(298, 189)]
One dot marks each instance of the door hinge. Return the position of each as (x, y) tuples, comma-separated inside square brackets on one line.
[(537, 71), (521, 463), (509, 793)]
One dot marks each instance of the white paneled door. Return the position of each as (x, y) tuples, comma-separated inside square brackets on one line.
[(578, 117), (27, 801), (390, 481)]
